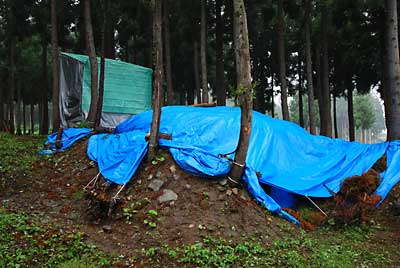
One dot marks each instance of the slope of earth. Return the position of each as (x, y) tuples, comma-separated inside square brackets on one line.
[(168, 218)]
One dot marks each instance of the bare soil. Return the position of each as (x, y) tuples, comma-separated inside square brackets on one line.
[(53, 191)]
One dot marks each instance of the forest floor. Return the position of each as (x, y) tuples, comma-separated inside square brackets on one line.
[(48, 220)]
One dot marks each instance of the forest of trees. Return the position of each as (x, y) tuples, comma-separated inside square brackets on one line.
[(315, 51)]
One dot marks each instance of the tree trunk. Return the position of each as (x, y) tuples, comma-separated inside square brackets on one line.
[(335, 117), (102, 65), (393, 68), (272, 96), (55, 67), (1, 102), (243, 71), (310, 87), (318, 89), (18, 111), (326, 120), (350, 111), (44, 127), (301, 112), (158, 78), (203, 45), (219, 68), (282, 60), (94, 89), (11, 87), (149, 47), (168, 71), (32, 118), (196, 71), (24, 117)]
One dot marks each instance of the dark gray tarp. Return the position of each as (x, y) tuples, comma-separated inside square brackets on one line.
[(71, 75)]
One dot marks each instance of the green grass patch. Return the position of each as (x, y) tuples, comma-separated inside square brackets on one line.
[(24, 244), (344, 249), (18, 153)]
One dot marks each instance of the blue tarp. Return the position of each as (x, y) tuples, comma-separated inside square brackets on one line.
[(287, 157), (69, 136)]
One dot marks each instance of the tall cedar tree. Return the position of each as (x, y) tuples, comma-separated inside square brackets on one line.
[(243, 72), (1, 102), (350, 109), (219, 57), (94, 93), (326, 120), (55, 66), (44, 128), (393, 68), (168, 71), (158, 78), (203, 45), (309, 70), (196, 70), (11, 74), (102, 65), (282, 60)]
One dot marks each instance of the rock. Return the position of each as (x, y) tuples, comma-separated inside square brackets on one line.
[(172, 168), (235, 191), (107, 228), (188, 186), (191, 225), (158, 174), (221, 189), (150, 177), (167, 196), (156, 185), (223, 182)]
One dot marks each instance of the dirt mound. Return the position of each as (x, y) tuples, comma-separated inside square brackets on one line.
[(162, 204)]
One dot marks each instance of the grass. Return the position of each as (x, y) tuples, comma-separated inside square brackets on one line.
[(24, 244), (326, 248), (17, 154)]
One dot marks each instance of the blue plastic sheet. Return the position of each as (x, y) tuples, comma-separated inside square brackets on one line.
[(287, 157), (69, 136)]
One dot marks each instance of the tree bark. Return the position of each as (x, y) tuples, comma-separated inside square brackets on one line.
[(102, 65), (24, 117), (32, 118), (335, 117), (168, 69), (1, 101), (243, 71), (44, 126), (272, 96), (18, 111), (219, 68), (301, 112), (203, 48), (196, 71), (55, 67), (158, 78), (393, 68), (310, 86), (350, 110), (94, 91), (318, 89), (282, 60), (11, 86), (326, 120)]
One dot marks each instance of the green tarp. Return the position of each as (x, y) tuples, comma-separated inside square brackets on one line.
[(127, 87)]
